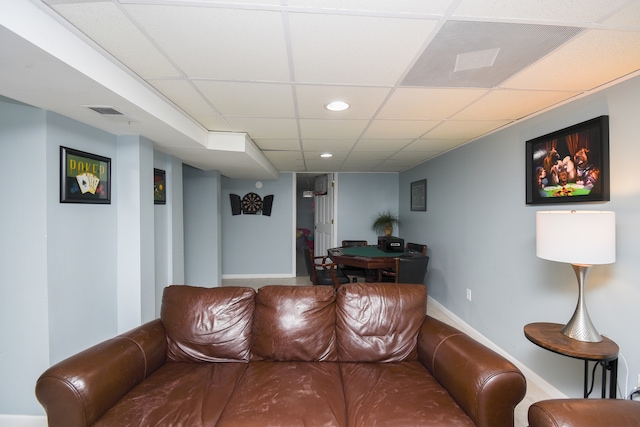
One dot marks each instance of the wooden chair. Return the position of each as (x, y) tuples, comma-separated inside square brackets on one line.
[(322, 271), (409, 269)]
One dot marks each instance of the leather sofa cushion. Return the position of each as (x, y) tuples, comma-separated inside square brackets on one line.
[(207, 324), (177, 394), (294, 323), (398, 394), (379, 322), (287, 394)]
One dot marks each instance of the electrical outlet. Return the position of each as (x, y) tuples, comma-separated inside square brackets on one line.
[(468, 294)]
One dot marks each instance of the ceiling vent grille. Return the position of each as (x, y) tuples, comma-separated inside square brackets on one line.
[(490, 53), (104, 110)]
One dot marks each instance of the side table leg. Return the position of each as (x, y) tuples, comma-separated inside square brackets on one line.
[(613, 381), (586, 379)]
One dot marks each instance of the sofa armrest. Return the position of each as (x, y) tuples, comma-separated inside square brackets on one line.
[(585, 413), (486, 385), (78, 390)]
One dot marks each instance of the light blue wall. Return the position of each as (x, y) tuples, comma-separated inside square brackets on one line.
[(169, 230), (81, 245), (201, 227), (259, 245), (61, 283), (24, 330), (481, 236), (360, 197)]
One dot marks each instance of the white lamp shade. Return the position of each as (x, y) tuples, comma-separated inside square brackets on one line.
[(576, 237)]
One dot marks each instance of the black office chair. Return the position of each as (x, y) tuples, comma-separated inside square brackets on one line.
[(415, 247), (409, 269), (322, 271), (354, 243), (353, 272), (410, 249)]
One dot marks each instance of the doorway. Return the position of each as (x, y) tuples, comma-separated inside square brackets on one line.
[(314, 215)]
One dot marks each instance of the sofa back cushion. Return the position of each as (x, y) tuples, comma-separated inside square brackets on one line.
[(379, 322), (207, 324), (294, 323)]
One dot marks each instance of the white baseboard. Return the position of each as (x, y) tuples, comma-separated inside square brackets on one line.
[(540, 382), (23, 420)]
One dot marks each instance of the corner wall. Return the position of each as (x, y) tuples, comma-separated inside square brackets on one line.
[(481, 236)]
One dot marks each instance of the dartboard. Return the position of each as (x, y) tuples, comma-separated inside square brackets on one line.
[(251, 203)]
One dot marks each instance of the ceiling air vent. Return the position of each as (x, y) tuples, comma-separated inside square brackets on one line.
[(104, 110), (110, 113)]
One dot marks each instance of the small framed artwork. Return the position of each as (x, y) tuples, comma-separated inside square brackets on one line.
[(419, 195), (159, 187), (570, 165), (84, 177)]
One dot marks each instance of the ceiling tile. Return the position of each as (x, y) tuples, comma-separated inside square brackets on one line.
[(464, 129), (629, 16), (248, 99), (511, 104), (364, 101), (434, 145), (413, 156), (328, 144), (337, 129), (432, 7), (286, 160), (265, 128), (536, 10), (381, 144), (427, 103), (105, 24), (359, 166), (398, 129), (213, 122), (250, 43), (395, 165), (605, 54), (185, 96), (372, 155), (350, 49)]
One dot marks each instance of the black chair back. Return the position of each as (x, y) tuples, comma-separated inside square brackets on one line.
[(354, 243), (415, 247), (411, 269), (308, 261)]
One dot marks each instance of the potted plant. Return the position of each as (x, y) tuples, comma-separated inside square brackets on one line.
[(383, 223)]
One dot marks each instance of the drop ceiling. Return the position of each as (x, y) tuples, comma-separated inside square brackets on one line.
[(240, 86)]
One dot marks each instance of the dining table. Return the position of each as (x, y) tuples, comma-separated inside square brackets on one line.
[(371, 258)]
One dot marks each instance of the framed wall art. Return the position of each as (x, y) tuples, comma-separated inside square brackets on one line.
[(159, 187), (84, 177), (419, 195), (570, 165)]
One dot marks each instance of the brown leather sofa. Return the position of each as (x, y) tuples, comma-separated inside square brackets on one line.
[(585, 413), (364, 355)]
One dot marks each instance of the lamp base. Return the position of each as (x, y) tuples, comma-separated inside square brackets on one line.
[(580, 327)]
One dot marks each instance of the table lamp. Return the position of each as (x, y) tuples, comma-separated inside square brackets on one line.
[(582, 239)]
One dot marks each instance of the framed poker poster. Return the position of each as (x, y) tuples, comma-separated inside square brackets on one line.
[(84, 177)]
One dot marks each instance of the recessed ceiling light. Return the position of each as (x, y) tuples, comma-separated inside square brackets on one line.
[(337, 106), (326, 155)]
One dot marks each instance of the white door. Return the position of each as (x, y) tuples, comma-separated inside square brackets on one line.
[(323, 219)]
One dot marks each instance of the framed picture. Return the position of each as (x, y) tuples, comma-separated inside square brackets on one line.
[(570, 165), (84, 177), (419, 195), (159, 187)]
